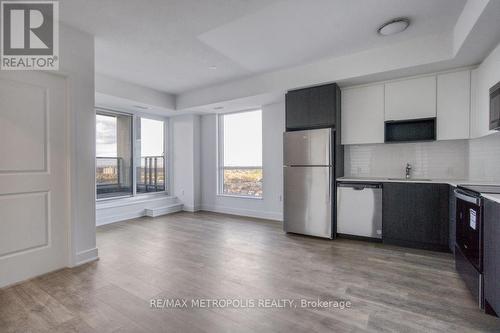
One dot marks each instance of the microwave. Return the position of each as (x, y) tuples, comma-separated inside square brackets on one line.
[(495, 107)]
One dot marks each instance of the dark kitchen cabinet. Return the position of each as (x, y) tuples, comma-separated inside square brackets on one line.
[(452, 225), (416, 215), (491, 256), (315, 107)]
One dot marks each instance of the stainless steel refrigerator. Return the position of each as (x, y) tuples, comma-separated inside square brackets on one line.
[(309, 181)]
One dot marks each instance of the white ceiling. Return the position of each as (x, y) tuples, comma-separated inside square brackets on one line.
[(169, 45)]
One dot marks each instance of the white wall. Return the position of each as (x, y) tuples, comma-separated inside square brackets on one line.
[(270, 206), (484, 163), (185, 160), (137, 94), (77, 65), (436, 160)]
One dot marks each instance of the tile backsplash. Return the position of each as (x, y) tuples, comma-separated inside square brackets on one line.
[(484, 162), (436, 160)]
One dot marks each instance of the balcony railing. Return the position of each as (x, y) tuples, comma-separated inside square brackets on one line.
[(151, 174), (109, 170), (111, 179)]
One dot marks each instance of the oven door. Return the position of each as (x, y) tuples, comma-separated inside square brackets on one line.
[(469, 228)]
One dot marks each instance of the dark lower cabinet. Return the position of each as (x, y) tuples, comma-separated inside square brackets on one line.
[(452, 225), (416, 215), (491, 256)]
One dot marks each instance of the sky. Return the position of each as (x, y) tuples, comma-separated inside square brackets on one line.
[(243, 139), (105, 136), (151, 130), (151, 137)]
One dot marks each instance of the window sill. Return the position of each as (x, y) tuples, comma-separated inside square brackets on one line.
[(129, 200), (239, 196)]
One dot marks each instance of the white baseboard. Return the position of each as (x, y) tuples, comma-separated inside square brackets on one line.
[(86, 256), (275, 216), (191, 209)]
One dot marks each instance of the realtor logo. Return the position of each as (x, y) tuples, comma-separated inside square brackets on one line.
[(29, 35)]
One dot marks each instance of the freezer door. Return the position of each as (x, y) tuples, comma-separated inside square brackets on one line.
[(308, 201), (311, 147)]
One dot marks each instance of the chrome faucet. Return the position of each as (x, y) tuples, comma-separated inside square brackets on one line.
[(408, 170)]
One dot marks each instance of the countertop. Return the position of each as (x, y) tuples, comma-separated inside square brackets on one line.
[(452, 182)]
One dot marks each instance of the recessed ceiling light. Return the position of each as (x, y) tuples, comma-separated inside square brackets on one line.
[(218, 108), (394, 26), (213, 67)]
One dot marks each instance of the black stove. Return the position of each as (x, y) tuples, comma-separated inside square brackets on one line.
[(478, 189), (469, 235)]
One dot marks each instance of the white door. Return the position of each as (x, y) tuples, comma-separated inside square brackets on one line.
[(33, 175)]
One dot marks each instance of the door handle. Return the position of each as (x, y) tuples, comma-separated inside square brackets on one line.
[(330, 174), (330, 189)]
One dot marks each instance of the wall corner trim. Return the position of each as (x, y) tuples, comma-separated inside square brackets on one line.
[(86, 256)]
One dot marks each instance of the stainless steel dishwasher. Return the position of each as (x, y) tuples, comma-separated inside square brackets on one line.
[(359, 209)]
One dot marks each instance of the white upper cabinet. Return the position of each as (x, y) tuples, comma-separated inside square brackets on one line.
[(411, 99), (363, 115), (483, 78), (453, 105)]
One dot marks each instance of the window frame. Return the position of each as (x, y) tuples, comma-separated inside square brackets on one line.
[(112, 113), (166, 167), (166, 148), (220, 157)]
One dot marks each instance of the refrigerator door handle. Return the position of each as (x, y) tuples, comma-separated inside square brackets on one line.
[(330, 186)]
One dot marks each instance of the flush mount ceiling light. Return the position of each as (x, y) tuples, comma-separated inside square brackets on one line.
[(213, 67), (394, 26), (217, 108)]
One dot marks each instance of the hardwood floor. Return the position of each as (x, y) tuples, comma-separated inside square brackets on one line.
[(214, 256)]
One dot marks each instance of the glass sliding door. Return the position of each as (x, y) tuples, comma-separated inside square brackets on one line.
[(113, 155), (150, 155)]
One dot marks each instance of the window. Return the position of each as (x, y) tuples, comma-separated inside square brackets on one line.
[(120, 160), (150, 155), (113, 155), (240, 154)]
